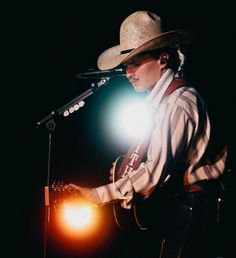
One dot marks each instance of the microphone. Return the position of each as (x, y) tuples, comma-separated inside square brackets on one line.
[(101, 73)]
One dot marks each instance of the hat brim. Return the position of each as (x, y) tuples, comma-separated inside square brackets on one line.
[(112, 57)]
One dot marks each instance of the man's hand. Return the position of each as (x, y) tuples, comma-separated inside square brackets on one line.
[(85, 192), (111, 172)]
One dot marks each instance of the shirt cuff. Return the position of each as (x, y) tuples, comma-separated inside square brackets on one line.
[(115, 192)]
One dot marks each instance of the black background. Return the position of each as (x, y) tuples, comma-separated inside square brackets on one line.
[(46, 45)]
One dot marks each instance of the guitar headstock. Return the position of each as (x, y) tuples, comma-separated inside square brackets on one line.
[(57, 186), (59, 195)]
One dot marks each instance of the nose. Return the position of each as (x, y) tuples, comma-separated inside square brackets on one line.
[(130, 71), (129, 76)]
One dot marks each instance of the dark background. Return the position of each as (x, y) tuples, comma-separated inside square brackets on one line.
[(46, 45)]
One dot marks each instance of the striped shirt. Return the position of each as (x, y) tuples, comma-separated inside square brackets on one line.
[(178, 142)]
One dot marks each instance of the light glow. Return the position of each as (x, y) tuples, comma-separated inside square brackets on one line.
[(134, 120), (127, 117), (77, 216)]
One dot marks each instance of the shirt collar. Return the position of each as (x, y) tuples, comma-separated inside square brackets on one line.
[(159, 89)]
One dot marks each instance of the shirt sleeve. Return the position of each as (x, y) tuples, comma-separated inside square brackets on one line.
[(167, 150), (121, 190), (172, 132)]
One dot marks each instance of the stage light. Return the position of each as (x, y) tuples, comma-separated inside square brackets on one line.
[(77, 216), (134, 119), (130, 118), (77, 226)]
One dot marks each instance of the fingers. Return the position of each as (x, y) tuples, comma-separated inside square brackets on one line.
[(71, 187), (111, 172)]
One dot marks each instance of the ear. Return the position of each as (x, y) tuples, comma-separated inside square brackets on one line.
[(164, 57)]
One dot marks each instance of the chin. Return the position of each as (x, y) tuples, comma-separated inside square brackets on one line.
[(140, 88), (137, 89)]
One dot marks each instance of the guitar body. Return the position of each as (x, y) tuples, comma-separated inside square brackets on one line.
[(144, 214), (125, 218)]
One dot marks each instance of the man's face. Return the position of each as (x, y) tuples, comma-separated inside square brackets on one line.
[(143, 72)]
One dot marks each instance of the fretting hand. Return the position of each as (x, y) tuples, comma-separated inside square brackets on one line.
[(85, 192)]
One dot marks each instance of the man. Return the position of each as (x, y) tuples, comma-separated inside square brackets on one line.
[(177, 146)]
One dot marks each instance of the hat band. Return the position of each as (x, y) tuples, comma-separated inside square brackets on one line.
[(126, 51)]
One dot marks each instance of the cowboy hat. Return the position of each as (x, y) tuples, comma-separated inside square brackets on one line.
[(140, 32)]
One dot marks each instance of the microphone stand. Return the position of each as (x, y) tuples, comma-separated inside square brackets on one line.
[(50, 122)]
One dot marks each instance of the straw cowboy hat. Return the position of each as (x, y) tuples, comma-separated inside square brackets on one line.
[(140, 32)]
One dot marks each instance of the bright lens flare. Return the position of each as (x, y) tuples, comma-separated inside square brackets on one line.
[(135, 119), (77, 216)]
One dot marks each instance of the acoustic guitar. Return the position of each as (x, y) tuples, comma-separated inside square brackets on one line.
[(145, 213)]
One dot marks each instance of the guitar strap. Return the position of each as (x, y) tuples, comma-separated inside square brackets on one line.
[(137, 150)]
